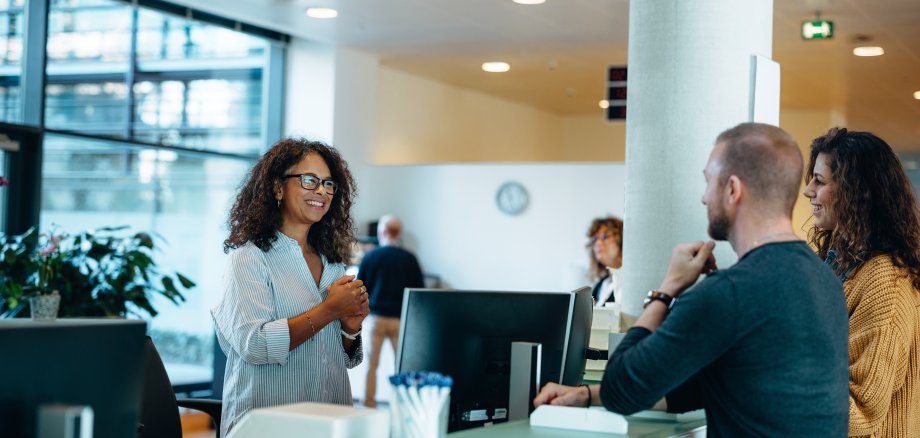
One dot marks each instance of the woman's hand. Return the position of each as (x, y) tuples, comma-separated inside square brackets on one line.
[(347, 297), (352, 323)]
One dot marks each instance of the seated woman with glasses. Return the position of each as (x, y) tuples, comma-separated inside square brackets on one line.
[(867, 227), (605, 247), (290, 320)]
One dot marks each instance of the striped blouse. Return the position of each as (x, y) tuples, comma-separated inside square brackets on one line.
[(263, 290)]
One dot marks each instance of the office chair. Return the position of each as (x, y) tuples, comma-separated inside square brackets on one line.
[(159, 407)]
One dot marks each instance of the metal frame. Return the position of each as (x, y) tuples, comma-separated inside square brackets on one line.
[(25, 166)]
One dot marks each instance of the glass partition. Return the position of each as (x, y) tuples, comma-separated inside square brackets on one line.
[(119, 70), (183, 197)]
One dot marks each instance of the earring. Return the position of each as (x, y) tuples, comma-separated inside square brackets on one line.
[(279, 203)]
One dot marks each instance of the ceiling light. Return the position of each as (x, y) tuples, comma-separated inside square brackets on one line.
[(869, 51), (603, 104), (917, 95), (530, 2), (322, 13), (496, 67)]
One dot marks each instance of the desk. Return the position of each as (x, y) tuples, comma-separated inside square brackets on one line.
[(638, 427)]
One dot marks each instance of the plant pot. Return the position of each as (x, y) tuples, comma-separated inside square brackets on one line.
[(45, 307)]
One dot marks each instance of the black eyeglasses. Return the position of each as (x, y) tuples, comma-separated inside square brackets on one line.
[(599, 236), (310, 181)]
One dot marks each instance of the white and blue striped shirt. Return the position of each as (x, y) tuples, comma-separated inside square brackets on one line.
[(263, 290)]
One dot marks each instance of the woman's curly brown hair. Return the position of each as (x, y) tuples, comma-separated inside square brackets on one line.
[(255, 216), (615, 224), (876, 207)]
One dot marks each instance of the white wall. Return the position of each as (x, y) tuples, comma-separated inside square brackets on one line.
[(309, 90), (451, 221)]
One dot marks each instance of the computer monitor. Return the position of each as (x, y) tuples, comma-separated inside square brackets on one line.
[(92, 362), (468, 334)]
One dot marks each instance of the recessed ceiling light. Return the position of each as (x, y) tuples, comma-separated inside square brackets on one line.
[(322, 13), (603, 104), (869, 51), (496, 67), (917, 95), (530, 2)]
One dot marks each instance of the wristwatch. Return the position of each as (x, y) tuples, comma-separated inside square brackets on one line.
[(654, 295)]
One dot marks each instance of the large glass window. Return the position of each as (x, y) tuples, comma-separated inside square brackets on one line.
[(184, 100), (120, 70), (11, 31), (182, 196), (150, 120)]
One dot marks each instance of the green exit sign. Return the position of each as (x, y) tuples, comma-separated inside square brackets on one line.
[(817, 30)]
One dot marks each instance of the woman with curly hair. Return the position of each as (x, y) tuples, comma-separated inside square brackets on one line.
[(290, 320), (605, 247), (867, 227)]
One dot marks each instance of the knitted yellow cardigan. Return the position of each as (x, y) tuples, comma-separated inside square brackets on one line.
[(884, 348)]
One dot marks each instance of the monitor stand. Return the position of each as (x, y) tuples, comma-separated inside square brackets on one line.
[(524, 381)]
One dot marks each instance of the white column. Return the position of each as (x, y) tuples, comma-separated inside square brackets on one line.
[(331, 96), (689, 79), (309, 90)]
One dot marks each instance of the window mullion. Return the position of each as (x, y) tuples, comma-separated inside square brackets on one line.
[(32, 84)]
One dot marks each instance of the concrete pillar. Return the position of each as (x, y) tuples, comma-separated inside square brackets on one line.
[(689, 79)]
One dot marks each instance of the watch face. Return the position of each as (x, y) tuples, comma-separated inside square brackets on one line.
[(512, 198)]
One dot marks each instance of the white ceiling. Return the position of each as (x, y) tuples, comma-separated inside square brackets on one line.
[(559, 50)]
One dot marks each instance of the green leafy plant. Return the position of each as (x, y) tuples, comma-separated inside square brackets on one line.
[(104, 272)]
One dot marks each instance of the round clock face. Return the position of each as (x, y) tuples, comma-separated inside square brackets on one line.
[(512, 198)]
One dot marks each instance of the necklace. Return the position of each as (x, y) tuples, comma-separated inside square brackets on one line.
[(764, 239)]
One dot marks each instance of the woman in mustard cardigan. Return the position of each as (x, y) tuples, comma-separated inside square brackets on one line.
[(867, 227)]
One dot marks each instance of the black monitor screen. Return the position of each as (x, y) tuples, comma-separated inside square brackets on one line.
[(468, 334), (96, 363)]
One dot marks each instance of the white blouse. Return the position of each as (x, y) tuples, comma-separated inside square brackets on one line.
[(262, 290), (611, 285)]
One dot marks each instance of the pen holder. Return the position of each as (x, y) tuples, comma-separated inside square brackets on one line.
[(420, 405)]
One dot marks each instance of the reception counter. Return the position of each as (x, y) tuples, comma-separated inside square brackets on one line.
[(638, 427)]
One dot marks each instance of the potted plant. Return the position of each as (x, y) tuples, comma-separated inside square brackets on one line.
[(45, 301), (104, 272)]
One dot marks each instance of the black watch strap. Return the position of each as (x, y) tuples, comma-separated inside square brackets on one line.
[(654, 295)]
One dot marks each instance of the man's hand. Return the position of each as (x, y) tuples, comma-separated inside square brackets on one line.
[(688, 261), (556, 394)]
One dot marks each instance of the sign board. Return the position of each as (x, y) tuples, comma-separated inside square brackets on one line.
[(616, 93), (817, 30)]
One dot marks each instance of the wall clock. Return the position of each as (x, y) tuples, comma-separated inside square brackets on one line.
[(512, 198)]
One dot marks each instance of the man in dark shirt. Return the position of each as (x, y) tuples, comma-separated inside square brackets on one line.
[(386, 271), (761, 346)]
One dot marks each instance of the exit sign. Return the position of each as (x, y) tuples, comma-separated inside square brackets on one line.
[(817, 30)]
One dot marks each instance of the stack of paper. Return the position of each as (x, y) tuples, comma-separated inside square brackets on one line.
[(605, 320)]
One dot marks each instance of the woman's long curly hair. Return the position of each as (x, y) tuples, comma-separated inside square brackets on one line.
[(615, 224), (256, 217), (875, 204)]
